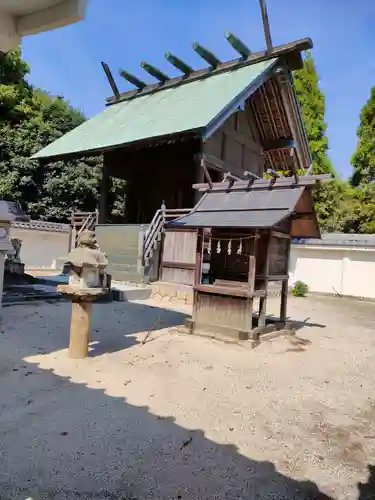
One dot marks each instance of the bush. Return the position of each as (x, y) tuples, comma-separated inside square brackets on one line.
[(300, 289)]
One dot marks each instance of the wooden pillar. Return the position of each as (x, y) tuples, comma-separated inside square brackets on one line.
[(198, 268), (131, 201), (71, 226), (252, 263), (141, 240), (284, 288), (198, 257), (104, 194), (263, 300), (199, 177), (251, 282), (80, 326)]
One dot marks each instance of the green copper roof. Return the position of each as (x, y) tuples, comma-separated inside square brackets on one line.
[(198, 105)]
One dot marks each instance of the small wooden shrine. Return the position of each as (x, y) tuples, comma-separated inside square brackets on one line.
[(244, 233)]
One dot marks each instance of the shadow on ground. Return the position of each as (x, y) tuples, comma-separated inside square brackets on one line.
[(114, 325), (306, 323), (297, 325), (64, 441), (366, 491)]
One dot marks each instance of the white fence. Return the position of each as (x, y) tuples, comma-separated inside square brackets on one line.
[(43, 243), (337, 264)]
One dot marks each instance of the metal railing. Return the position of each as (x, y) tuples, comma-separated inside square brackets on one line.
[(153, 235), (149, 239), (82, 221)]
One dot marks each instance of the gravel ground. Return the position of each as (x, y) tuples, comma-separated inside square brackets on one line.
[(186, 417)]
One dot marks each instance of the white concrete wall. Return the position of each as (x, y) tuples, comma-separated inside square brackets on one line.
[(41, 249), (332, 270), (9, 37)]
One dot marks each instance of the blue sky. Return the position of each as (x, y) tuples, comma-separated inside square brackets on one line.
[(122, 33)]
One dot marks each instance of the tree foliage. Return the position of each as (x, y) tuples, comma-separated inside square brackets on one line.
[(340, 205), (363, 159), (30, 119), (312, 102)]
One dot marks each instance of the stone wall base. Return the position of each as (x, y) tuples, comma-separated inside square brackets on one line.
[(179, 294), (172, 293)]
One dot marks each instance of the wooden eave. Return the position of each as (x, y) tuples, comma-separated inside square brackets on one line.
[(274, 125)]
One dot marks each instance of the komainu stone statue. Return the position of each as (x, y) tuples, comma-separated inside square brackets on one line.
[(13, 264), (17, 245)]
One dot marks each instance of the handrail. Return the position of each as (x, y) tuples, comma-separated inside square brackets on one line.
[(151, 228), (89, 223), (152, 236), (168, 213), (156, 228), (88, 220), (84, 220)]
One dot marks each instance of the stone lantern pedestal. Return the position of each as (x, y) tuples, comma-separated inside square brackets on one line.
[(80, 321), (87, 282)]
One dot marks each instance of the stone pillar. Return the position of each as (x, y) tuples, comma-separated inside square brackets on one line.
[(80, 326)]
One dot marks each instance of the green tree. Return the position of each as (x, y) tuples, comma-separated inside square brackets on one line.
[(356, 210), (29, 120), (312, 102), (363, 159)]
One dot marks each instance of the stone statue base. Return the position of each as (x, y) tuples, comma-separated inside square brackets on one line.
[(14, 267)]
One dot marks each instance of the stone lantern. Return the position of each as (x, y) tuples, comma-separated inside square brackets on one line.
[(87, 282)]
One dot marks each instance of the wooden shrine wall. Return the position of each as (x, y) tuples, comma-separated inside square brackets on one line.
[(178, 256), (279, 255), (237, 144), (154, 174)]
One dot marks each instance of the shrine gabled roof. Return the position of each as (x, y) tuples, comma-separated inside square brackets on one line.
[(197, 106), (262, 205), (248, 209)]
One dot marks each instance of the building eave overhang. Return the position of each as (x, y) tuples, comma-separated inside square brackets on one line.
[(53, 14)]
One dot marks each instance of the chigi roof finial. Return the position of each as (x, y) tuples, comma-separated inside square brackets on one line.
[(266, 25)]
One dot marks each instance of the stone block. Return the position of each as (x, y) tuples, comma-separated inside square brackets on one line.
[(166, 289), (181, 294), (174, 301), (189, 298)]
